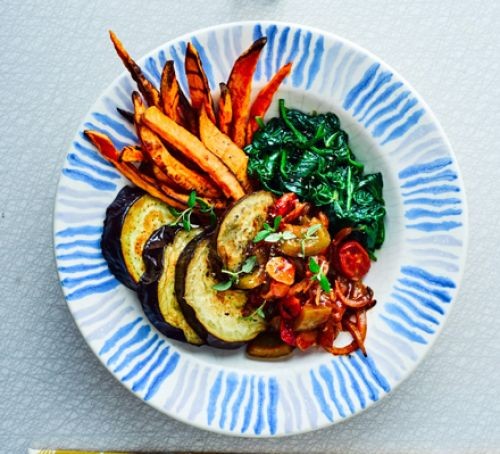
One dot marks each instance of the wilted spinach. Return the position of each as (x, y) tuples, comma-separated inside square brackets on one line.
[(310, 155)]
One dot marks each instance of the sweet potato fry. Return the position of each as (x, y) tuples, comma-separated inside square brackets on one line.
[(240, 87), (225, 109), (131, 154), (107, 149), (147, 89), (191, 147), (183, 176), (173, 100), (225, 149), (264, 99), (199, 89)]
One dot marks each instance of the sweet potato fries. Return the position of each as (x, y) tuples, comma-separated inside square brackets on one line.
[(191, 145)]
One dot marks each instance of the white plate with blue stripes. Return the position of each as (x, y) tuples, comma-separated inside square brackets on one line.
[(415, 279)]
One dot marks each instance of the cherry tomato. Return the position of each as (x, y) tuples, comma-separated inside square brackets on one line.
[(354, 260), (284, 204)]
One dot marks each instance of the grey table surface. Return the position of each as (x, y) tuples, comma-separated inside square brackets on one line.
[(55, 59)]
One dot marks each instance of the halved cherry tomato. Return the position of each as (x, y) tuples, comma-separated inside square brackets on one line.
[(354, 260), (281, 270)]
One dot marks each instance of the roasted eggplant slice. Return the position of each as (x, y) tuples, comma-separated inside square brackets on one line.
[(130, 221), (156, 290), (216, 316), (239, 227)]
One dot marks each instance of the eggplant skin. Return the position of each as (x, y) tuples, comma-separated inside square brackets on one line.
[(110, 241), (130, 220), (156, 291), (216, 316)]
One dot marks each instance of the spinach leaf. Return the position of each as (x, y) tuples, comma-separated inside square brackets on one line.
[(309, 154)]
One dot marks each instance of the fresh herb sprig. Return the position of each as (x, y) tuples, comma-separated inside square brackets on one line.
[(234, 276), (319, 276), (309, 235), (270, 234), (257, 312), (183, 218)]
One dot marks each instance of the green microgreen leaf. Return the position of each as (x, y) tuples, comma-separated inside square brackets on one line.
[(192, 199), (277, 222), (249, 264), (259, 312), (263, 234), (273, 237), (312, 230), (287, 235), (313, 266), (324, 283), (223, 286)]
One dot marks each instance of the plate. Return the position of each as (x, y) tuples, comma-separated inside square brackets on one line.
[(415, 279)]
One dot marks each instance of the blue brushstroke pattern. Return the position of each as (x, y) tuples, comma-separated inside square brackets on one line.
[(424, 301), (102, 287), (435, 190), (435, 227), (207, 66), (269, 58), (179, 70), (249, 408), (399, 131), (399, 313), (362, 85), (375, 373), (432, 202), (272, 406), (152, 69), (76, 161), (162, 376), (382, 127), (319, 49), (327, 377), (231, 384), (409, 305), (135, 353), (382, 79), (78, 175), (140, 384), (445, 175), (427, 167), (139, 336), (416, 213), (294, 48), (118, 144), (320, 396), (92, 154), (397, 328), (373, 393), (442, 295), (259, 422), (354, 384), (331, 57), (73, 282), (342, 386), (213, 396), (282, 46), (143, 363), (83, 230), (384, 96), (389, 108), (93, 244), (430, 278), (257, 33), (80, 267), (235, 410), (80, 255), (119, 334), (115, 125), (298, 73)]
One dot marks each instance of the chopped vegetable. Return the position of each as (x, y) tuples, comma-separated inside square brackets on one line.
[(310, 156)]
